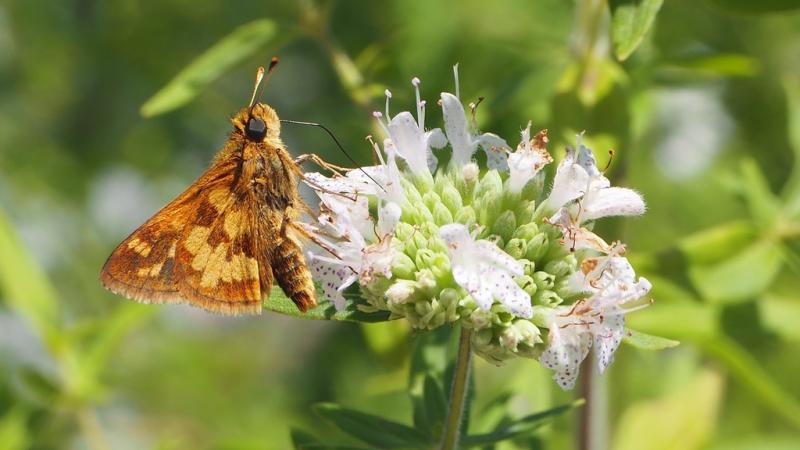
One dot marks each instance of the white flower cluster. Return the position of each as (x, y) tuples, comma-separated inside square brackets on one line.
[(441, 244)]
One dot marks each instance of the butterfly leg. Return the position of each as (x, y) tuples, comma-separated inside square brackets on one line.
[(291, 272), (316, 159)]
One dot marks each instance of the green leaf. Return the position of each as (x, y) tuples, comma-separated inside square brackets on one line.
[(435, 405), (27, 291), (741, 277), (682, 419), (755, 6), (518, 427), (646, 341), (373, 430), (752, 375), (234, 48), (630, 21), (278, 302)]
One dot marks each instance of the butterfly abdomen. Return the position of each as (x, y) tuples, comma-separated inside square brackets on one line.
[(292, 274)]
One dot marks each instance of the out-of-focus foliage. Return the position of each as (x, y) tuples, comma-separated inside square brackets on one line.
[(700, 100)]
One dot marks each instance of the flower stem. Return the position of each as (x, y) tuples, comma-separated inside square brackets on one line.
[(458, 393)]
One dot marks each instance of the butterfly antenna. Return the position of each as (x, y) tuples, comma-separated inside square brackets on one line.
[(338, 144), (261, 80)]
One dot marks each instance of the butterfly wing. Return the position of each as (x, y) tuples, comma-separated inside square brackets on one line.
[(142, 267), (217, 258)]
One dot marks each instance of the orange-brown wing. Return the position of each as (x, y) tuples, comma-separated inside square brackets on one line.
[(217, 257), (142, 267)]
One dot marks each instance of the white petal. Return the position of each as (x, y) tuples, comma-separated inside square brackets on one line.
[(409, 142), (613, 201), (508, 293), (388, 216), (587, 160), (565, 351), (607, 338), (457, 130), (498, 257), (332, 278), (569, 183), (496, 149)]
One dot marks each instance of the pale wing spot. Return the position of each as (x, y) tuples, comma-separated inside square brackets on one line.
[(200, 259), (152, 271), (197, 240), (214, 267), (233, 223), (139, 246), (219, 198), (171, 253)]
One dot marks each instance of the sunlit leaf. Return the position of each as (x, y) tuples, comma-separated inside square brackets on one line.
[(26, 289), (234, 48), (682, 419), (631, 19), (518, 427), (645, 341), (373, 430), (278, 302), (752, 375), (711, 66), (741, 277), (755, 6)]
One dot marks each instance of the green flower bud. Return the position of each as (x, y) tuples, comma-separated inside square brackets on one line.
[(452, 198), (465, 215), (544, 280), (505, 225), (527, 284), (491, 183), (559, 267), (526, 231), (403, 266), (516, 248), (442, 215), (403, 232), (430, 199), (547, 297), (400, 292), (538, 247)]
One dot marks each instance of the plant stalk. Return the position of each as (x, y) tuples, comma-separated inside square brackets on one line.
[(458, 393)]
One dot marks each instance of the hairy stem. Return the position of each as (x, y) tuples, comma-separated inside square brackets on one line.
[(458, 393)]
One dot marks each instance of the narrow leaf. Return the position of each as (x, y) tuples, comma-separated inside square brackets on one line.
[(519, 427), (435, 406), (646, 341), (26, 289), (631, 19), (234, 48), (278, 302), (373, 430)]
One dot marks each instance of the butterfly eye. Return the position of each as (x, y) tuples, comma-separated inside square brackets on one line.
[(256, 129)]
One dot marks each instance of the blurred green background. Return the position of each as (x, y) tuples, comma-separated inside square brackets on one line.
[(704, 116)]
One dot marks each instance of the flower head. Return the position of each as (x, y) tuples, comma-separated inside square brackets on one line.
[(475, 245)]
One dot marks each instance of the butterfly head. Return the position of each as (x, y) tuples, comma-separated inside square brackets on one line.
[(258, 123)]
